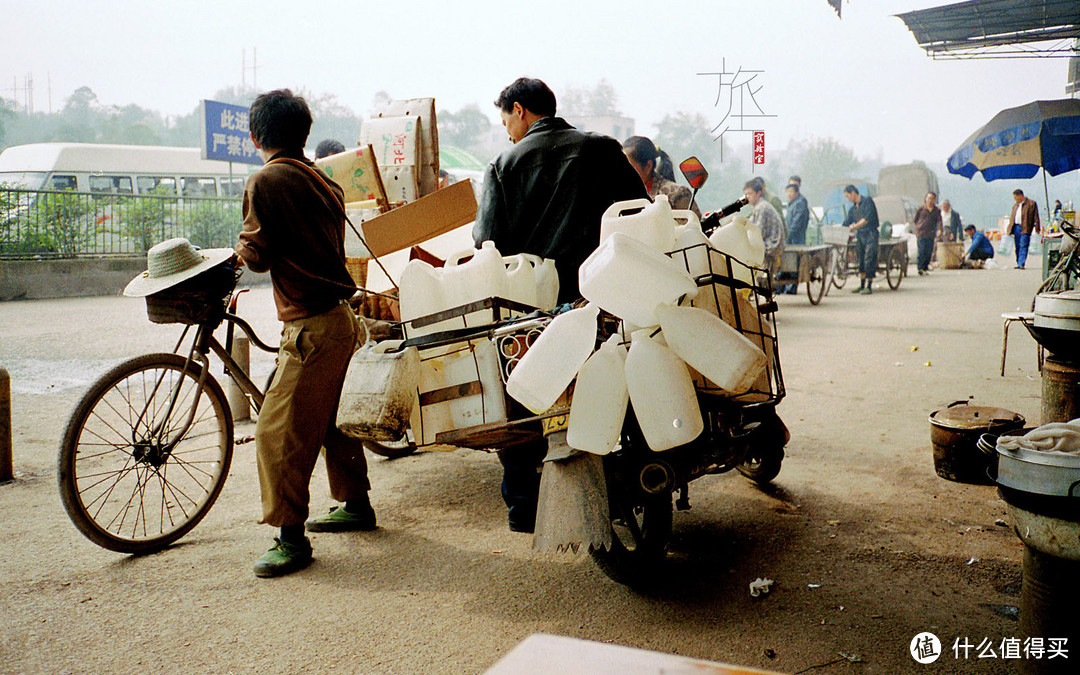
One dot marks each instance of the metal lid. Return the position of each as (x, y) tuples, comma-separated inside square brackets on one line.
[(975, 417), (1062, 304)]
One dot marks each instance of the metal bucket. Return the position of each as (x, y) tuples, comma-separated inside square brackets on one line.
[(954, 433)]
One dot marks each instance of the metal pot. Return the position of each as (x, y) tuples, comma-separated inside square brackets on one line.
[(1054, 474), (954, 433), (1058, 310)]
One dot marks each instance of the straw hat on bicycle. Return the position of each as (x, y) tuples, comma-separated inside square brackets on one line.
[(171, 262)]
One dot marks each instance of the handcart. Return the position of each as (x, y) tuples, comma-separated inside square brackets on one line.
[(892, 259), (809, 264)]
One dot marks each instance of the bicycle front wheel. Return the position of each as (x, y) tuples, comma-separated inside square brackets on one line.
[(131, 478)]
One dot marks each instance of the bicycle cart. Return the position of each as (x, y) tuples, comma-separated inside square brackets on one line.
[(809, 264), (892, 260)]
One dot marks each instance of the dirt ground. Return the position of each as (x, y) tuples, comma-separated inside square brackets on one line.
[(866, 544)]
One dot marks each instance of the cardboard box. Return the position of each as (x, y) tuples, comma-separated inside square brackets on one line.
[(356, 172), (395, 140), (396, 143), (424, 108), (416, 222)]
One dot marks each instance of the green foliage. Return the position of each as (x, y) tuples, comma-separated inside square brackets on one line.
[(143, 219), (212, 223), (55, 224)]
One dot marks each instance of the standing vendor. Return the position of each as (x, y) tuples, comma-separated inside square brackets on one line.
[(545, 196), (294, 227), (862, 218)]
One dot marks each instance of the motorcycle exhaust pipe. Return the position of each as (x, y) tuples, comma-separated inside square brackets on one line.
[(656, 478)]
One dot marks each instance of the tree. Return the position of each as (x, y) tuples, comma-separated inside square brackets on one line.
[(822, 160), (683, 135), (7, 115), (332, 119), (466, 129), (600, 100)]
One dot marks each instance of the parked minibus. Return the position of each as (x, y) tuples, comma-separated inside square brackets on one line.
[(120, 169)]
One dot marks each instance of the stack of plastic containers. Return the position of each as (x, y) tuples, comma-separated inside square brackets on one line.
[(472, 275), (643, 272)]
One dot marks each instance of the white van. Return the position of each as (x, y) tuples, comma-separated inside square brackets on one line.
[(120, 169)]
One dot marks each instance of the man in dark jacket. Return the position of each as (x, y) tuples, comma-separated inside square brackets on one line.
[(545, 196), (862, 220)]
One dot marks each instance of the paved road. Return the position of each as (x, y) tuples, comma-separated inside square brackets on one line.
[(867, 545)]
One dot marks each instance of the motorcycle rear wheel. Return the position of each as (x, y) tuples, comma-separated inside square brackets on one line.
[(766, 452), (640, 531)]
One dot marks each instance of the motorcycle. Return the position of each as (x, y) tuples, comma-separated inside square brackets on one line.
[(742, 432)]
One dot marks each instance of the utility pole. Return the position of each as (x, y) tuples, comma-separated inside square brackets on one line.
[(254, 69)]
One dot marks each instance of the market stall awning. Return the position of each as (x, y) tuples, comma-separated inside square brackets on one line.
[(997, 28)]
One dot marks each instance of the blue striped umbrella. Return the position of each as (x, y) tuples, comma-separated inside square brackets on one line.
[(1017, 142)]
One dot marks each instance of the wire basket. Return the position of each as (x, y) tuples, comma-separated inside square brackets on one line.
[(202, 299), (742, 296)]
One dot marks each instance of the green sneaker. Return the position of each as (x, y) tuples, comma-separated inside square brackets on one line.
[(283, 558), (340, 520), (866, 291)]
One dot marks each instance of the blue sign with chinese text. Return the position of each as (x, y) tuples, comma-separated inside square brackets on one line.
[(225, 133)]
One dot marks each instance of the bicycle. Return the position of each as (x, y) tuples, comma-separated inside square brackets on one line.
[(147, 450)]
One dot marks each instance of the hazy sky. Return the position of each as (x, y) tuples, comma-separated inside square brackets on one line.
[(861, 80)]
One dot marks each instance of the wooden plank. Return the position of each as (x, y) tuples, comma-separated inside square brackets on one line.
[(456, 391)]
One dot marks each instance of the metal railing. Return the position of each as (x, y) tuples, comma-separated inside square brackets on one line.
[(68, 224)]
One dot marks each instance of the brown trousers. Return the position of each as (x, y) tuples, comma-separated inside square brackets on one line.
[(297, 418)]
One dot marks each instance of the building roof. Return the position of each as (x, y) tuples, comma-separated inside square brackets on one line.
[(981, 28)]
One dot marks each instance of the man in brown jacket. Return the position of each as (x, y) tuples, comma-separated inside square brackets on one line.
[(1023, 220), (294, 226), (927, 229)]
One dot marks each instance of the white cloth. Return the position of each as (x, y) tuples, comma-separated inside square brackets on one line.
[(1056, 437)]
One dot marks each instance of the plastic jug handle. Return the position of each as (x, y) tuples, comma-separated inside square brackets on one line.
[(689, 216), (384, 346), (616, 209), (455, 259), (514, 262)]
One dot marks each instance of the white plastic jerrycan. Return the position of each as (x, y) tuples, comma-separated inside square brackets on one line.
[(554, 359), (691, 247), (421, 292), (652, 224), (484, 276), (713, 348), (662, 394), (521, 278), (547, 281), (600, 397), (629, 278), (741, 240), (378, 395)]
